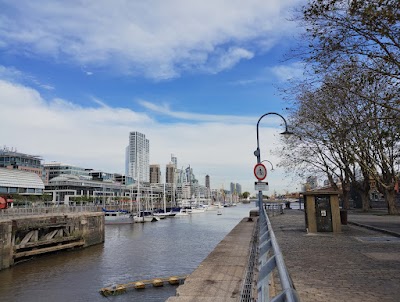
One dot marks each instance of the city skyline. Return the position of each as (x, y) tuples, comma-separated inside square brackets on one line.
[(197, 90)]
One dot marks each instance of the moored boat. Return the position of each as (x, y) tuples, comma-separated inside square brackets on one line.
[(117, 216), (179, 212), (145, 216)]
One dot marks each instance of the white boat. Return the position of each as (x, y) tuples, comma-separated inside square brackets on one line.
[(145, 216), (160, 215), (117, 217), (219, 212), (180, 212), (163, 214), (211, 207), (196, 210)]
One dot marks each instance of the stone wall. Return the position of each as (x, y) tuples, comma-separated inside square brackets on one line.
[(5, 244), (87, 228)]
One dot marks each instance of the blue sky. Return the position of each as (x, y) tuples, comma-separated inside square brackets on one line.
[(194, 76)]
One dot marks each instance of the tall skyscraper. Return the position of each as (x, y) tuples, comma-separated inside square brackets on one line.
[(139, 157), (174, 160), (208, 181), (239, 189), (155, 174), (170, 173), (233, 188)]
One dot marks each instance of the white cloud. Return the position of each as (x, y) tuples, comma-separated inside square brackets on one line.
[(287, 72), (227, 59), (96, 137), (159, 39)]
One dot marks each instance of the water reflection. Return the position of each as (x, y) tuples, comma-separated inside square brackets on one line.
[(173, 246)]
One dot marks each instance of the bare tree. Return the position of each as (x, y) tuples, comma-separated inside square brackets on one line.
[(344, 133), (362, 32)]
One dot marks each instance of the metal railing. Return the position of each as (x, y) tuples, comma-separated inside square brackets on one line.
[(270, 258), (50, 210), (274, 208), (246, 294)]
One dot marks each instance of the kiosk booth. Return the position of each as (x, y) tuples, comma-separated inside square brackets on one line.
[(322, 213)]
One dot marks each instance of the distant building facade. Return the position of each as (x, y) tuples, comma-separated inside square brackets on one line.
[(174, 160), (14, 181), (155, 174), (170, 173), (207, 182), (55, 169), (138, 157), (239, 189), (11, 159)]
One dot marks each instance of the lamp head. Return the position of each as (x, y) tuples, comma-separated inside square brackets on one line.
[(287, 133)]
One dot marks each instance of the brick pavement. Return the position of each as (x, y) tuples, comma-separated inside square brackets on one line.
[(376, 219), (339, 267)]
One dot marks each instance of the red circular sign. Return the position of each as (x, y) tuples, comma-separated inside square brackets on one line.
[(260, 171)]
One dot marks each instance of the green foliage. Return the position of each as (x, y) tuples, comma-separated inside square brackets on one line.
[(245, 195)]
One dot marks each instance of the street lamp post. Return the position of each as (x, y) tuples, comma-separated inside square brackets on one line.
[(257, 152)]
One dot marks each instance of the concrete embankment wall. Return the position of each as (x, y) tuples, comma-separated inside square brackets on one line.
[(24, 237), (220, 276)]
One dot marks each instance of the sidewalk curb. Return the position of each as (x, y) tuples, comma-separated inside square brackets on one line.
[(374, 228)]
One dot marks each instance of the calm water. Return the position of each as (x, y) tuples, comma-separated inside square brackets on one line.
[(172, 246)]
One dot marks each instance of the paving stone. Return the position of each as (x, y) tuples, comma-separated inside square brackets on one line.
[(338, 267)]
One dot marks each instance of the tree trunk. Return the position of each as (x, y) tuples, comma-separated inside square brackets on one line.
[(346, 197), (365, 201), (390, 198)]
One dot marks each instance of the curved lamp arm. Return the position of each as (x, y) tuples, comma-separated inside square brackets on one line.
[(272, 166), (286, 132)]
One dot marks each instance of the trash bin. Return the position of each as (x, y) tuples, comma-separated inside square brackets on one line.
[(343, 216)]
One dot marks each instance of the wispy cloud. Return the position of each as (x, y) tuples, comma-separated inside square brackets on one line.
[(14, 75), (286, 72), (196, 117), (158, 39)]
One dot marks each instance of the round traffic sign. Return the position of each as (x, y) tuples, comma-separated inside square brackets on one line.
[(260, 171)]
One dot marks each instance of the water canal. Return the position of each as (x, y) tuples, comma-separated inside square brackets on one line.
[(173, 246)]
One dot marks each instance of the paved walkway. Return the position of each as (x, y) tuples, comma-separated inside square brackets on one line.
[(359, 264), (220, 276), (377, 220)]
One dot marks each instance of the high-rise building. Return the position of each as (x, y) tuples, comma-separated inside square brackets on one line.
[(170, 173), (139, 157), (239, 189), (208, 181), (233, 188), (155, 174), (174, 160)]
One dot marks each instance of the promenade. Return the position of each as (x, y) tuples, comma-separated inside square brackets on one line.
[(358, 264), (220, 276)]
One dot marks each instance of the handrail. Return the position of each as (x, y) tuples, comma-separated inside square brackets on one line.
[(270, 257), (28, 211)]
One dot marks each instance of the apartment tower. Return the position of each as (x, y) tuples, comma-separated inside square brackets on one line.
[(138, 157), (155, 174)]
